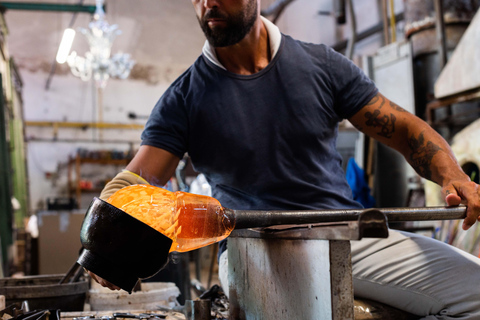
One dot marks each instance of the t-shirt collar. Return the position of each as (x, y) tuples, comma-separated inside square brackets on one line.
[(274, 35)]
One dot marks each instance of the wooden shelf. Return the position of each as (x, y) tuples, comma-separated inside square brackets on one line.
[(75, 165)]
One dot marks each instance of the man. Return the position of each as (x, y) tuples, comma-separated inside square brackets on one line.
[(258, 114)]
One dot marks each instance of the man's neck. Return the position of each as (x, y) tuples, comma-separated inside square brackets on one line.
[(250, 55)]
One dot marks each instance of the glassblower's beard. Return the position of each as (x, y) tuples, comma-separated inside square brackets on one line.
[(236, 29), (224, 37)]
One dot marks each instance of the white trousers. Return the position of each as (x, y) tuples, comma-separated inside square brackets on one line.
[(413, 273)]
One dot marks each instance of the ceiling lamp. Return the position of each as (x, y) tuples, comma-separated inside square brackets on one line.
[(97, 63)]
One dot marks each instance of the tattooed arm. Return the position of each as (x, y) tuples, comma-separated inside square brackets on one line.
[(426, 151)]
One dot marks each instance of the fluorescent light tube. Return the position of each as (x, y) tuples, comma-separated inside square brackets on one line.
[(65, 45)]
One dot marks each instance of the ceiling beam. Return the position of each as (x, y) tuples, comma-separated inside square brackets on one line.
[(37, 6)]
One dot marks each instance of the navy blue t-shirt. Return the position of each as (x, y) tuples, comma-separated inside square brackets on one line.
[(265, 141)]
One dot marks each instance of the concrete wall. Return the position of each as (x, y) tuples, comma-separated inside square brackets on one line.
[(163, 37)]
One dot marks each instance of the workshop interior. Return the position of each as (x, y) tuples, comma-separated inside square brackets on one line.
[(79, 79)]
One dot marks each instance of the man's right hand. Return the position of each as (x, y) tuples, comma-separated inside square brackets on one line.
[(103, 282)]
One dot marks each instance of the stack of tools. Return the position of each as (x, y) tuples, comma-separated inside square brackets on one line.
[(16, 312)]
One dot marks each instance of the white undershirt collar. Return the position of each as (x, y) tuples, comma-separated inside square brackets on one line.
[(274, 36)]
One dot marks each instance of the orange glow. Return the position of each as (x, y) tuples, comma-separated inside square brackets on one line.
[(191, 221)]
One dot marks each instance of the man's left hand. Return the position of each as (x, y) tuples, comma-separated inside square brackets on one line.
[(464, 192)]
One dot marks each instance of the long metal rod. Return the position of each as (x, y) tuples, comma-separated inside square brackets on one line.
[(245, 219)]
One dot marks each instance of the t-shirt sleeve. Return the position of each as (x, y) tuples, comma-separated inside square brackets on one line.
[(167, 126), (352, 88)]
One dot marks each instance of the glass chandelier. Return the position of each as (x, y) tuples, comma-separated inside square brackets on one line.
[(97, 63)]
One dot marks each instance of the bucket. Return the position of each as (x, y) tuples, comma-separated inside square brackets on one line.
[(44, 292), (152, 295)]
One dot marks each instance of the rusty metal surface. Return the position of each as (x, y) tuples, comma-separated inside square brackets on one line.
[(274, 279), (45, 292), (341, 281), (420, 14), (449, 103), (426, 41), (282, 279), (198, 309)]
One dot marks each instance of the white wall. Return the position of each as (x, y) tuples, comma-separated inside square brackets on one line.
[(163, 37)]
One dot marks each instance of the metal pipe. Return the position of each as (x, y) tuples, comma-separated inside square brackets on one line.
[(80, 140), (441, 33), (386, 33), (353, 28), (84, 125), (245, 219), (393, 24), (339, 11), (341, 45), (47, 7)]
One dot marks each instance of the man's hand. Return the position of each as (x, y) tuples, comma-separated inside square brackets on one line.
[(103, 282), (464, 192)]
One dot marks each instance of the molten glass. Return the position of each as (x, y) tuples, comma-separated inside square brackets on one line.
[(191, 221)]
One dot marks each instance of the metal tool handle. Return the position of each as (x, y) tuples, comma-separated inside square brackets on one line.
[(245, 219)]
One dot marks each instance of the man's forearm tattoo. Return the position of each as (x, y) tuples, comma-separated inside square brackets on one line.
[(377, 98), (374, 100), (397, 107), (385, 122), (422, 155)]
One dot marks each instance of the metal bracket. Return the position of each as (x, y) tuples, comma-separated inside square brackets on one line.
[(370, 224)]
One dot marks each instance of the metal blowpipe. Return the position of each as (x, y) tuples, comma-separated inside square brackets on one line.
[(245, 219)]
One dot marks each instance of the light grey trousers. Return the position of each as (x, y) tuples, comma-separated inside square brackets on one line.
[(411, 272)]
